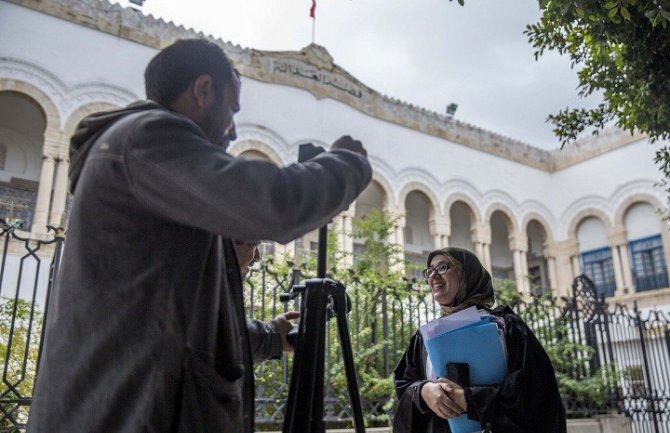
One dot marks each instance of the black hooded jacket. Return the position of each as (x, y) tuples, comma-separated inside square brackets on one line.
[(146, 331)]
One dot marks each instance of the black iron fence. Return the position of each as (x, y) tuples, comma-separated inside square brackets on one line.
[(607, 357)]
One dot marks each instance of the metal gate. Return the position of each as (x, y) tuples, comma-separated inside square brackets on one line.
[(628, 347)]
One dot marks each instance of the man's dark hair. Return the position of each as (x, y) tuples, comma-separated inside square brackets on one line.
[(173, 69)]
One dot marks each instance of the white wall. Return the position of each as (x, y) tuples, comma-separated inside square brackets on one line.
[(641, 221), (74, 55), (591, 234)]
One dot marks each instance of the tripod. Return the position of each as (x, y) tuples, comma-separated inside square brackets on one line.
[(320, 298)]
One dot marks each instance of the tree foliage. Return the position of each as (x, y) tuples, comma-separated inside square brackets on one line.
[(620, 48), (20, 327)]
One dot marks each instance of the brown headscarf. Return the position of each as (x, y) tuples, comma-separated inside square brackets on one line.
[(475, 286)]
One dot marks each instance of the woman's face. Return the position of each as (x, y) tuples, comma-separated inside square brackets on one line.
[(444, 286)]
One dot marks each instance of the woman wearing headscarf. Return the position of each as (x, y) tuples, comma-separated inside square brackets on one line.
[(526, 401)]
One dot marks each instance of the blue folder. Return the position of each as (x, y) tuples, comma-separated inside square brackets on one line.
[(479, 345)]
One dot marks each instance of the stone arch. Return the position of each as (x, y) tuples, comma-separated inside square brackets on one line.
[(386, 187), (23, 130), (586, 213), (263, 139), (513, 226), (77, 115), (470, 204), (534, 216), (372, 197), (503, 230), (46, 104), (620, 213), (458, 209), (418, 186), (257, 146)]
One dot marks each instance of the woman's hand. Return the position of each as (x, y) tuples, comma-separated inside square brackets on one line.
[(457, 393), (443, 398)]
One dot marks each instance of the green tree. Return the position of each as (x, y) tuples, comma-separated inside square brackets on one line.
[(621, 49), (20, 328), (375, 280), (379, 321)]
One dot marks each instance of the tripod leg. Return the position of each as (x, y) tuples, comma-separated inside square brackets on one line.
[(339, 301), (298, 417), (318, 425), (295, 376)]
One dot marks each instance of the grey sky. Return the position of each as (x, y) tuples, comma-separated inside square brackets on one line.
[(426, 52)]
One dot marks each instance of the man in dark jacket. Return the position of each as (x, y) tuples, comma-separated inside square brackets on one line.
[(267, 339), (146, 329)]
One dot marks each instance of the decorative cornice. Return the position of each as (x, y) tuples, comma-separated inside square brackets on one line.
[(313, 69), (589, 147)]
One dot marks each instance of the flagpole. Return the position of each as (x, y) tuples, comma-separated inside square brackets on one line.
[(312, 14)]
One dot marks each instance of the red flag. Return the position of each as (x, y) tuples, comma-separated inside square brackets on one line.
[(312, 10)]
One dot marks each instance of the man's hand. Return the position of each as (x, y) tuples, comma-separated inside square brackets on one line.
[(283, 325), (346, 142), (440, 398)]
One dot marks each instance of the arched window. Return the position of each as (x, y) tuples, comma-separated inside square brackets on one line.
[(648, 263), (596, 255)]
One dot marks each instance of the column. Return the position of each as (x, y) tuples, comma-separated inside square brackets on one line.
[(481, 238), (285, 253), (576, 265), (345, 238), (551, 265), (398, 237), (618, 277), (60, 193), (479, 251), (618, 237), (564, 253), (487, 256), (549, 253), (338, 231), (629, 286), (440, 230), (518, 244), (349, 239), (524, 270), (43, 195), (518, 272)]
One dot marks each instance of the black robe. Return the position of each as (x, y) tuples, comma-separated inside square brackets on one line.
[(527, 401)]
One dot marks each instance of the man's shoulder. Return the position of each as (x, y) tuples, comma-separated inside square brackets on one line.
[(158, 124), (159, 116)]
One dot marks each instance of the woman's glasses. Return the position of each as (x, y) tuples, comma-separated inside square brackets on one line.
[(441, 268)]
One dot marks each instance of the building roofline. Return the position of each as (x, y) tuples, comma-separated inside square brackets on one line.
[(313, 69)]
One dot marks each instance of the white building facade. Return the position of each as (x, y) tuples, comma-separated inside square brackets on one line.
[(539, 217)]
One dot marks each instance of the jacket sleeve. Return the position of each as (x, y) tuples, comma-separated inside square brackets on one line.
[(412, 414), (264, 340), (178, 174), (528, 399)]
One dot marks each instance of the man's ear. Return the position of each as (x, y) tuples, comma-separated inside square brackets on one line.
[(203, 90)]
